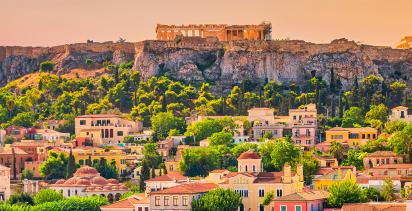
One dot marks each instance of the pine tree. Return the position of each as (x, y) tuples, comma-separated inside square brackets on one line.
[(71, 165), (144, 174)]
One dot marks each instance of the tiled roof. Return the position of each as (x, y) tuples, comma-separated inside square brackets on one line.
[(400, 107), (304, 196), (129, 202), (8, 150), (188, 188), (261, 177), (249, 155), (323, 171), (334, 175), (382, 154), (394, 166), (172, 176), (219, 171), (375, 207)]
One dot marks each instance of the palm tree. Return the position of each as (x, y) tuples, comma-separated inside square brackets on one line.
[(337, 150)]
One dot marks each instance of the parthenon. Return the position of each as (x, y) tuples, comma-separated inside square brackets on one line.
[(221, 31)]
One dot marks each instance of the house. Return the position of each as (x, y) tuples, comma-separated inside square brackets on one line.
[(136, 202), (339, 173), (165, 181), (105, 128), (253, 184), (47, 135), (12, 156), (166, 145), (259, 129), (400, 113), (179, 197), (301, 201), (326, 161), (378, 206), (16, 132), (353, 136), (4, 183), (378, 158), (86, 181)]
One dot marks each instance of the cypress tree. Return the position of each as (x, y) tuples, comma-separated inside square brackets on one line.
[(153, 172), (71, 165), (144, 174)]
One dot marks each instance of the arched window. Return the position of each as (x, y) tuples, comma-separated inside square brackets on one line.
[(253, 168), (81, 162), (246, 168)]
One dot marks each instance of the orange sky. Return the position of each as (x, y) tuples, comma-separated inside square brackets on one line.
[(54, 22)]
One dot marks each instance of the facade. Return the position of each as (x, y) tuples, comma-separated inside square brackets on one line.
[(222, 32), (379, 206), (86, 181), (400, 113), (353, 136), (4, 183), (169, 180), (253, 184), (393, 170), (47, 135), (16, 132), (339, 173), (326, 161), (179, 197), (378, 158), (10, 156), (105, 128), (301, 201)]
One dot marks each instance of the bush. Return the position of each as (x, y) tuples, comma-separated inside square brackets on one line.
[(27, 174), (47, 66), (22, 198), (91, 203), (47, 195)]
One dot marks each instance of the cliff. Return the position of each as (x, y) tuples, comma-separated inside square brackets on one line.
[(224, 63)]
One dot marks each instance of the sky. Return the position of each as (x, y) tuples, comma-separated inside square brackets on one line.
[(56, 22)]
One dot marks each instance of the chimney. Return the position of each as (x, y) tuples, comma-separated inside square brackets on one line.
[(287, 173), (299, 171)]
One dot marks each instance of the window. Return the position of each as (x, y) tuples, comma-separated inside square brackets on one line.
[(336, 136), (184, 200), (81, 162), (246, 168), (353, 136), (363, 136), (157, 200), (166, 200), (253, 168), (261, 207), (369, 136), (279, 192), (312, 207), (298, 208), (82, 122), (68, 192), (119, 133), (283, 208), (261, 192), (111, 133), (402, 114), (175, 199), (75, 192), (243, 193)]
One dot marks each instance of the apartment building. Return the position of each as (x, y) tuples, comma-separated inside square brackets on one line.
[(353, 136)]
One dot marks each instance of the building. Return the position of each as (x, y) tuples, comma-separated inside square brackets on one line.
[(222, 32), (179, 197), (105, 128), (4, 183), (86, 181), (339, 173), (378, 206), (168, 144), (136, 202), (47, 135), (326, 161), (401, 172), (353, 136), (16, 132), (169, 180), (378, 158), (253, 184), (13, 156), (400, 113), (303, 201)]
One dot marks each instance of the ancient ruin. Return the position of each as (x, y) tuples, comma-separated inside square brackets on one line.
[(406, 43), (222, 32)]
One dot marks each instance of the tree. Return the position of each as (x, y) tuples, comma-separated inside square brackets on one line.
[(47, 66), (377, 113), (352, 117), (199, 161), (388, 191), (268, 198), (371, 194), (395, 126), (221, 138), (55, 166), (8, 140), (243, 147), (27, 174), (106, 170), (47, 195), (206, 127), (337, 150), (151, 155), (311, 166), (346, 191), (90, 203), (153, 173), (24, 119), (218, 199), (20, 198), (144, 174), (277, 152), (71, 165), (355, 158), (163, 122), (400, 142)]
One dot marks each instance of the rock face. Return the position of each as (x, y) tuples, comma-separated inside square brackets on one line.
[(224, 63)]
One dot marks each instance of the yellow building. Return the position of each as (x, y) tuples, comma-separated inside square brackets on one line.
[(82, 157), (339, 173), (253, 184), (353, 136)]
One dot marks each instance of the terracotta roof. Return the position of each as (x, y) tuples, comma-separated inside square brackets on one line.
[(375, 207), (219, 171), (400, 107), (249, 155), (383, 154), (98, 116), (323, 171), (129, 202), (334, 175), (8, 150), (188, 188), (172, 176), (394, 166), (304, 196)]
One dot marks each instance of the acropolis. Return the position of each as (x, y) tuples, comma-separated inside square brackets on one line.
[(222, 32)]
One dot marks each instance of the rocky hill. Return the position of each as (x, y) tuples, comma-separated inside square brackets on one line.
[(224, 63)]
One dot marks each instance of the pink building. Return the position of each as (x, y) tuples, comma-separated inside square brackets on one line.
[(301, 201)]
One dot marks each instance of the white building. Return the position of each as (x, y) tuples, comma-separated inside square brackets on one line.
[(4, 183)]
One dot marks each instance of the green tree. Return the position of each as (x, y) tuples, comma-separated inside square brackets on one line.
[(106, 170), (352, 117), (71, 166), (243, 147), (337, 150), (9, 140), (55, 166), (377, 112), (277, 152), (388, 191), (311, 166), (395, 126), (355, 158), (371, 194), (152, 155), (206, 127), (199, 161), (47, 195), (221, 138), (20, 198), (27, 174), (400, 142), (343, 192), (47, 66), (218, 199), (144, 174), (268, 198), (89, 203), (24, 119), (163, 122)]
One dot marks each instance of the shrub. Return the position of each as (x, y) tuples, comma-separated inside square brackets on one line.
[(47, 195)]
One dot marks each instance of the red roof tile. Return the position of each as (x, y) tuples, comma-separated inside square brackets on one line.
[(188, 188), (304, 196), (169, 177), (249, 155)]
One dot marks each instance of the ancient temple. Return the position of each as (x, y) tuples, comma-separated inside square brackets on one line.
[(221, 31)]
